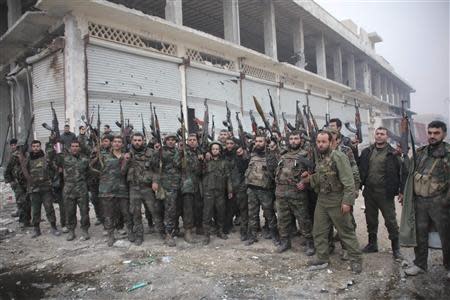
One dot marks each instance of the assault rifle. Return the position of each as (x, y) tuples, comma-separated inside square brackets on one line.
[(261, 114), (299, 121), (357, 129), (228, 122), (213, 130), (204, 141), (183, 138), (254, 124), (242, 136), (273, 114)]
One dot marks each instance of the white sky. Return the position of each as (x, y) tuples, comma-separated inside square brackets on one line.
[(415, 42)]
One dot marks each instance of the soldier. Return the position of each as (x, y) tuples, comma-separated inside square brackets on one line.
[(259, 178), (14, 176), (170, 183), (190, 189), (142, 180), (75, 193), (113, 190), (432, 196), (380, 170), (36, 169), (223, 135), (107, 132), (335, 186), (336, 124), (289, 199), (238, 163), (216, 184), (67, 137), (83, 138)]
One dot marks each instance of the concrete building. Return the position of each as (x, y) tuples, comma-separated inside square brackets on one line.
[(85, 54)]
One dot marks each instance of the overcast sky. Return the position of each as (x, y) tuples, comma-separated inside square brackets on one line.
[(415, 42)]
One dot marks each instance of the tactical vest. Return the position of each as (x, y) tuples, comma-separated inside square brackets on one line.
[(257, 173), (140, 171), (328, 175), (290, 168), (431, 175), (214, 175)]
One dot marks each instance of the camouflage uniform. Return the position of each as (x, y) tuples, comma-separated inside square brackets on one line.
[(141, 174), (259, 178), (216, 184), (334, 184), (238, 166), (289, 199), (432, 202), (190, 189), (39, 188), (14, 176), (75, 191), (170, 182), (113, 192), (93, 185)]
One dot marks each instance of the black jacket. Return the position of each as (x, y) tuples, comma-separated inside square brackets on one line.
[(395, 176)]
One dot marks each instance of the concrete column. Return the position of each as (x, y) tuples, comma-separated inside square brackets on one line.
[(270, 31), (377, 85), (384, 89), (351, 71), (299, 43), (337, 64), (232, 30), (390, 91), (14, 11), (321, 56), (174, 11), (367, 78), (75, 69), (397, 96)]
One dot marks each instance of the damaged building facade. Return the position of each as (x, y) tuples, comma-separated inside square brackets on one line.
[(88, 54)]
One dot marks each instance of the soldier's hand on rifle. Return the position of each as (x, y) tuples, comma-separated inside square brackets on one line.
[(157, 146), (126, 156), (155, 186), (345, 208), (305, 176), (200, 157), (240, 151), (230, 196), (208, 156), (400, 198), (301, 185)]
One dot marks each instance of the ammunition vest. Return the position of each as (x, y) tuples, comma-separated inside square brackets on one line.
[(140, 170), (328, 175), (290, 168), (257, 173), (40, 173)]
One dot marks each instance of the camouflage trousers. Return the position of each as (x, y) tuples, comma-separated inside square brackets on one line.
[(71, 202), (295, 203), (170, 212), (241, 199), (260, 198), (377, 201), (324, 218), (432, 210), (37, 200), (93, 191), (144, 195), (23, 204), (113, 209), (58, 194), (213, 206), (192, 203)]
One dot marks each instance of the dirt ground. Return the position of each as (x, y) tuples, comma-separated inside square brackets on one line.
[(50, 267)]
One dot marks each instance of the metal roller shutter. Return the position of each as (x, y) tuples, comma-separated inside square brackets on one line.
[(48, 86), (135, 80)]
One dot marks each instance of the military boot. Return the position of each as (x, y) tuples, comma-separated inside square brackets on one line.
[(251, 239), (396, 249), (310, 250), (206, 239), (275, 236), (267, 235), (85, 235), (54, 230), (372, 246), (170, 241), (36, 232), (70, 235), (188, 236), (284, 245), (111, 238), (244, 235), (139, 240), (222, 235), (131, 235)]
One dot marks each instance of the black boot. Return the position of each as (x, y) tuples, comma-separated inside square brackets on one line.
[(70, 235), (244, 236), (396, 249), (372, 246), (206, 239), (54, 230), (36, 232), (310, 250), (251, 239), (274, 236), (111, 238), (284, 245)]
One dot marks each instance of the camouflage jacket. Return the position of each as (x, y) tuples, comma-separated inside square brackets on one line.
[(75, 170), (237, 166), (170, 174), (112, 181), (217, 176), (193, 172), (351, 157), (288, 173), (41, 171), (261, 170), (13, 173), (333, 180), (140, 168)]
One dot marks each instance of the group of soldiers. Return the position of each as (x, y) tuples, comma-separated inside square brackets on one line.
[(302, 186)]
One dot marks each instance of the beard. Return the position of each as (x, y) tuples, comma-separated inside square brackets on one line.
[(294, 147), (138, 148), (259, 150)]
